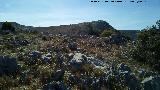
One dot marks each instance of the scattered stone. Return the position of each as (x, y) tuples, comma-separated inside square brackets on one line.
[(47, 58), (35, 54), (77, 61), (124, 68), (131, 81), (129, 78)]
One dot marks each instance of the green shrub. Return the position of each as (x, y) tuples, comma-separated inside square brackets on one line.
[(92, 31), (109, 32), (7, 26), (147, 48)]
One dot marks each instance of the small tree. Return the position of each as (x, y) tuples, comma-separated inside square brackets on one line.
[(158, 24), (109, 32), (147, 49), (7, 26)]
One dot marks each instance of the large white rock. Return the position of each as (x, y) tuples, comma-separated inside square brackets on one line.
[(77, 61)]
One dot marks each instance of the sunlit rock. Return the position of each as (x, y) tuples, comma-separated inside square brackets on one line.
[(77, 61), (35, 54)]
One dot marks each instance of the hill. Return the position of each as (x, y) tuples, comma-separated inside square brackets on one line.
[(84, 28), (18, 26), (76, 29)]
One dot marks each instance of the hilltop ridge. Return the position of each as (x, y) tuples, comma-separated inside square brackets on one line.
[(84, 28)]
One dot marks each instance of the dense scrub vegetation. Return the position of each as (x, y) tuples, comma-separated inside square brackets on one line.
[(31, 60), (7, 26), (147, 49), (108, 32)]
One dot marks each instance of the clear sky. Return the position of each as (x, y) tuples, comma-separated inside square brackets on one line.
[(125, 15)]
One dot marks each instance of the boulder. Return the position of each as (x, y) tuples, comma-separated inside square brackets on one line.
[(145, 73), (58, 75), (33, 57), (142, 73), (8, 65), (47, 58), (77, 61), (123, 68), (22, 42), (35, 54), (72, 46), (122, 76), (151, 83)]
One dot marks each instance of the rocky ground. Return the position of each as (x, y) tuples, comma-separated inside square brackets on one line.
[(33, 61)]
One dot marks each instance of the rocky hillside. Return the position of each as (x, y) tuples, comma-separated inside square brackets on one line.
[(72, 29), (18, 26), (30, 61), (76, 29)]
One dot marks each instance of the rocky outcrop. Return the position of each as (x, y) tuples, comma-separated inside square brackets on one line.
[(76, 61), (151, 83), (58, 75), (46, 58), (35, 54)]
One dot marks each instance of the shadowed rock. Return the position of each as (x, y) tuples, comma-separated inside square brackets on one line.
[(58, 75), (151, 83), (8, 65)]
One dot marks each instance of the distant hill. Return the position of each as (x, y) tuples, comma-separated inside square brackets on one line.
[(19, 26), (75, 29), (130, 33), (72, 29)]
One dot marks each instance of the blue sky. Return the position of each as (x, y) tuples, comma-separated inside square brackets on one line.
[(124, 15)]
